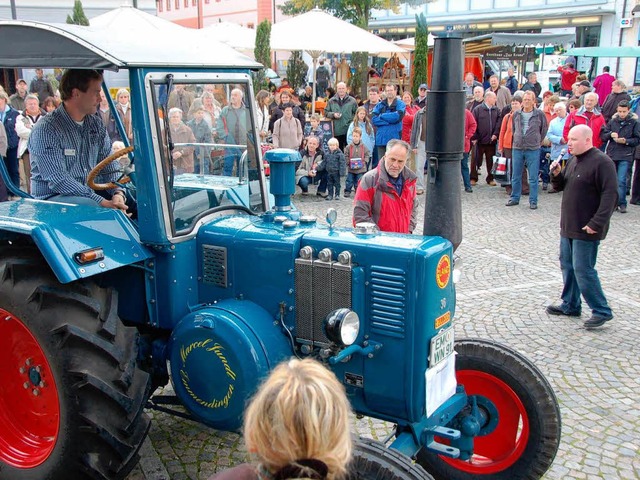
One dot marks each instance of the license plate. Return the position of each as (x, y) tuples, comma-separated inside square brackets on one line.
[(441, 347)]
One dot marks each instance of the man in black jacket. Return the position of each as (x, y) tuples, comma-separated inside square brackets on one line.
[(489, 120), (622, 136), (590, 196)]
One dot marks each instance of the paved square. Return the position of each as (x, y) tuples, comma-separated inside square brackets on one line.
[(511, 273)]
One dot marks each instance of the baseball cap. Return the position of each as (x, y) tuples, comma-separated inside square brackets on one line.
[(422, 85), (21, 80), (585, 83)]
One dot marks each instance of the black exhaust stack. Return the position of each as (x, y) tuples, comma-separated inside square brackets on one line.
[(445, 141)]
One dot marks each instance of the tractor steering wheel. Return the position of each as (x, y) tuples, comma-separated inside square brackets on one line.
[(95, 171)]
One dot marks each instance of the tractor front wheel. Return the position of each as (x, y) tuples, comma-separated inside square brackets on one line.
[(71, 395), (522, 433), (372, 460)]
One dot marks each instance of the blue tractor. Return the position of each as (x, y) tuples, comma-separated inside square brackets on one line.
[(219, 279)]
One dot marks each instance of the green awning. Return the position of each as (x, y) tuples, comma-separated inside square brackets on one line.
[(613, 52)]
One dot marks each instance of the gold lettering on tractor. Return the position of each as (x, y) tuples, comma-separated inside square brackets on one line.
[(218, 351)]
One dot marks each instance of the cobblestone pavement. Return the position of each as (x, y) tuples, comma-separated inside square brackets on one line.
[(511, 273)]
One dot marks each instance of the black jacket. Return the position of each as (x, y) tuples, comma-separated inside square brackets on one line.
[(489, 121), (629, 129), (610, 105), (278, 113), (590, 186)]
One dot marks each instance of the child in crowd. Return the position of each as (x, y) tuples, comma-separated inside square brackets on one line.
[(316, 129), (335, 166), (356, 160)]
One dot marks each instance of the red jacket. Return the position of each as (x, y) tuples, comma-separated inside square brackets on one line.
[(579, 118), (407, 121), (377, 201), (567, 77), (470, 126)]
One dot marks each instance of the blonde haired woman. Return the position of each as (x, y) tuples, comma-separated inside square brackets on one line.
[(297, 426)]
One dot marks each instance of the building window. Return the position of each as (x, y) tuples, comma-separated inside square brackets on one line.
[(193, 3), (250, 25), (160, 6), (168, 5), (186, 3), (177, 4), (207, 2)]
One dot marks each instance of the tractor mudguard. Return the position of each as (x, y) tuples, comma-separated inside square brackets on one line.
[(62, 231)]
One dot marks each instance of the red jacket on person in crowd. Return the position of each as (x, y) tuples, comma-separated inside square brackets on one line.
[(568, 76), (378, 201), (595, 121), (470, 126)]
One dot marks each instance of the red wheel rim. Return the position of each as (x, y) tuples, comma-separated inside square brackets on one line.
[(29, 405), (502, 447)]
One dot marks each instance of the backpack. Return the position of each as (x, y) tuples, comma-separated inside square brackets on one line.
[(322, 74), (356, 163)]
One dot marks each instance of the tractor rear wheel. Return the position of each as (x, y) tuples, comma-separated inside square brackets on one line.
[(71, 395), (372, 460), (522, 432)]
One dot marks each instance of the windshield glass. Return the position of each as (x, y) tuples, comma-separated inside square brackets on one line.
[(208, 149)]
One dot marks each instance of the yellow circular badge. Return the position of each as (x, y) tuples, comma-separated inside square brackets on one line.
[(443, 271)]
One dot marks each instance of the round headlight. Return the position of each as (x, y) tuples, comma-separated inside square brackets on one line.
[(342, 326)]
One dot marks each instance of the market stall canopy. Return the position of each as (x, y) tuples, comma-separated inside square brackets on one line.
[(127, 18), (62, 45), (232, 34), (611, 52), (410, 43), (532, 39), (317, 31)]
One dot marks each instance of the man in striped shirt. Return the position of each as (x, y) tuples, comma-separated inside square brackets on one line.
[(66, 144)]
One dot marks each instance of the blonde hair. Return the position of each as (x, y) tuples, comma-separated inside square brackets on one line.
[(367, 123), (333, 141), (300, 412), (117, 145)]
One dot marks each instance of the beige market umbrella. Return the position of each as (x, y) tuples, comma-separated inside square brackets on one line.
[(302, 33), (234, 35)]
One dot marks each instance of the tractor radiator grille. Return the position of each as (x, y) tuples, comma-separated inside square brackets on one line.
[(321, 287), (388, 293), (214, 265)]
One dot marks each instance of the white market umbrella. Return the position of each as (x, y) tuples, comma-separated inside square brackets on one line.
[(232, 34), (127, 18), (297, 33)]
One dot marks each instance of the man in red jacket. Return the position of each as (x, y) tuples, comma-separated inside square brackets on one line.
[(568, 76), (386, 195), (588, 115)]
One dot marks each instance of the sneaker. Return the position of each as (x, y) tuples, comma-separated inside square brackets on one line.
[(492, 183), (473, 183), (321, 194), (347, 194), (328, 197), (468, 190), (597, 321), (557, 310), (305, 193), (419, 192), (622, 208), (546, 185), (337, 197), (512, 203), (533, 206), (552, 190)]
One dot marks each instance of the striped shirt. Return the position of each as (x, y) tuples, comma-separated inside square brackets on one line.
[(63, 152)]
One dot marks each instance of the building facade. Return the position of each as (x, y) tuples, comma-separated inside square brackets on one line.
[(201, 13), (56, 11), (596, 22)]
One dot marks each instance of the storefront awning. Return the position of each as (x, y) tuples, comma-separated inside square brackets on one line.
[(611, 52), (532, 39)]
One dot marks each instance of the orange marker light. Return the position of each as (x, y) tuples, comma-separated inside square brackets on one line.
[(88, 256)]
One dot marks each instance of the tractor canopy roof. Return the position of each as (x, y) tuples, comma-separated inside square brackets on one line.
[(47, 45)]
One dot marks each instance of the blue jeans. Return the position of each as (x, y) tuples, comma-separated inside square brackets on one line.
[(231, 160), (304, 183), (622, 167), (464, 169), (578, 261), (520, 158), (352, 181)]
